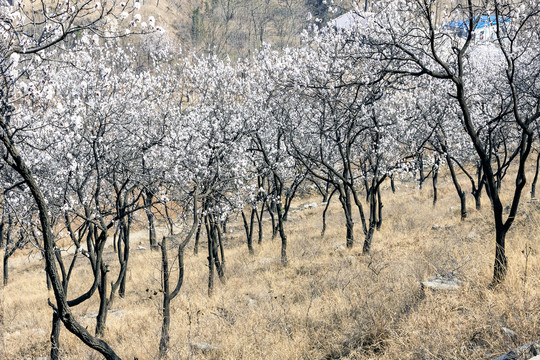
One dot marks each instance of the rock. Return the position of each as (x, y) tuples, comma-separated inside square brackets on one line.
[(436, 227), (310, 205), (511, 334), (252, 303), (140, 247), (94, 314), (453, 208), (266, 261), (204, 347), (525, 352), (442, 282), (339, 248), (471, 235), (351, 259)]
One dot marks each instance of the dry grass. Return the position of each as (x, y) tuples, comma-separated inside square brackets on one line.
[(328, 303)]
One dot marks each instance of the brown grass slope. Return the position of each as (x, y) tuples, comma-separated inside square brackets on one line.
[(329, 303)]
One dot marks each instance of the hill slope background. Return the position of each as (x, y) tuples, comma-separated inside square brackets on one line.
[(328, 303)]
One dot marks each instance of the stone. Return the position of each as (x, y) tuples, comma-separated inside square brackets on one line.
[(203, 346), (266, 261), (511, 334), (442, 282), (94, 314), (252, 303), (526, 352), (471, 235), (140, 247), (310, 205), (436, 227), (339, 248)]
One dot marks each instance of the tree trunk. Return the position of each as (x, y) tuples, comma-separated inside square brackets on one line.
[(325, 210), (103, 303), (345, 199), (501, 261), (124, 264), (273, 220), (461, 193), (197, 237), (260, 225), (6, 271), (533, 185), (368, 240), (435, 178), (477, 191), (372, 221), (2, 225), (421, 171), (151, 220), (220, 264), (164, 341), (18, 164), (55, 336), (284, 260), (379, 208), (210, 259), (249, 231)]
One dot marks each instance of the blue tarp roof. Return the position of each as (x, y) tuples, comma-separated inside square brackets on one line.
[(485, 20)]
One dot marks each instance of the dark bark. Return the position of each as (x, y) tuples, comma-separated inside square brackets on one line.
[(260, 215), (379, 208), (2, 225), (16, 162), (533, 185), (477, 190), (282, 235), (421, 177), (325, 210), (166, 308), (461, 193), (197, 237), (272, 219), (6, 271), (103, 303), (148, 198), (55, 337), (345, 199), (501, 261), (372, 222), (248, 227), (211, 260), (168, 296), (435, 178), (220, 265)]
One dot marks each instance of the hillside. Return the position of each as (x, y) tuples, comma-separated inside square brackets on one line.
[(235, 27), (329, 303)]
